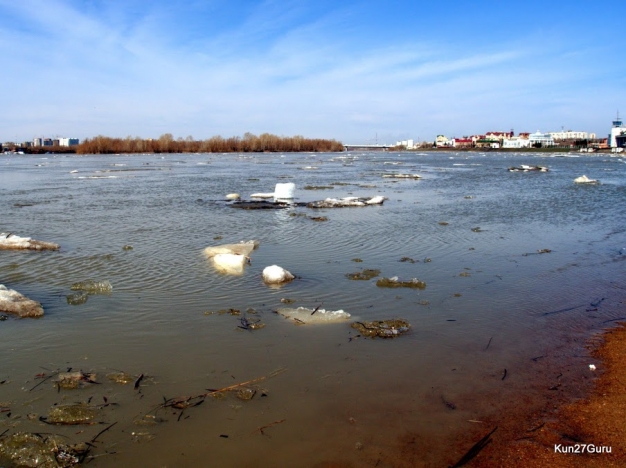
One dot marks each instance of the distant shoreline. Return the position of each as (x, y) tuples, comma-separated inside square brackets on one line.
[(318, 146)]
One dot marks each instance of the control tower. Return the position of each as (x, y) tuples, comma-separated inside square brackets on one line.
[(617, 130)]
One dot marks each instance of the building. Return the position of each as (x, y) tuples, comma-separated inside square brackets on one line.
[(443, 142), (570, 135), (68, 141), (55, 142), (407, 144), (540, 139), (618, 130), (499, 136), (487, 143), (515, 142), (464, 142)]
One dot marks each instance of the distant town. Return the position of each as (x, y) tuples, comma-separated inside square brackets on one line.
[(616, 140), (566, 139)]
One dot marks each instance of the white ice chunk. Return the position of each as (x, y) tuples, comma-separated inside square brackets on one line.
[(276, 275)]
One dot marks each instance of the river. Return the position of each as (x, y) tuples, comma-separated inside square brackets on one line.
[(521, 268)]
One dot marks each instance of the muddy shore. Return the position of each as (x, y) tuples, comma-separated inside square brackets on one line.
[(588, 432)]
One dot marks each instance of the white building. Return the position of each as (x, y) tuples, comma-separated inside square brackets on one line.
[(617, 130), (515, 142), (68, 141), (408, 144), (570, 135), (545, 139)]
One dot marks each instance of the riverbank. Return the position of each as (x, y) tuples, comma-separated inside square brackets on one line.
[(588, 432)]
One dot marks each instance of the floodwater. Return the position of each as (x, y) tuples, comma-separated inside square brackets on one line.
[(324, 395)]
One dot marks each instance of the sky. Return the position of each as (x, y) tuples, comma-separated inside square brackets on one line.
[(355, 71)]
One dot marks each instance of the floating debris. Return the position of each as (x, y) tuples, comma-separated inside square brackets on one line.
[(357, 260), (443, 223), (477, 229), (318, 187), (347, 202), (140, 437), (27, 449), (407, 260), (583, 179), (72, 414), (78, 298), (318, 218), (72, 380), (93, 287), (395, 282), (246, 324), (261, 205), (267, 426), (127, 247), (12, 302), (286, 300), (9, 241), (476, 448), (539, 252), (120, 377), (233, 196), (245, 393), (231, 311), (448, 403), (525, 168), (465, 274), (303, 315), (402, 176), (382, 328), (365, 275)]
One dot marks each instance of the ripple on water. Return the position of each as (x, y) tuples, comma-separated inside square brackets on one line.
[(482, 285)]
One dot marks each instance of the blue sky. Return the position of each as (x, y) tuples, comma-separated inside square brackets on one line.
[(349, 70)]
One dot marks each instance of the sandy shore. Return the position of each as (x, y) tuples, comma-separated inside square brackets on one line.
[(552, 436)]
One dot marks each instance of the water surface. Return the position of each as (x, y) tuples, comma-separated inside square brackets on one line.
[(472, 229)]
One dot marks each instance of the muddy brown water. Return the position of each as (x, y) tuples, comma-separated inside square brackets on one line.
[(492, 301)]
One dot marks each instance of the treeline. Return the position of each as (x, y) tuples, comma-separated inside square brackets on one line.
[(48, 149), (167, 144)]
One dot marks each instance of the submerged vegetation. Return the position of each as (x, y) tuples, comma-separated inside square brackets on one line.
[(166, 143)]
